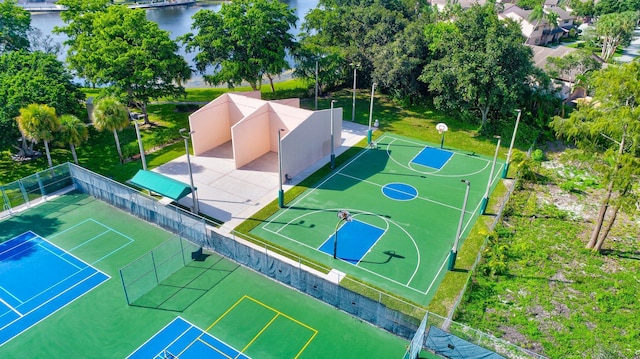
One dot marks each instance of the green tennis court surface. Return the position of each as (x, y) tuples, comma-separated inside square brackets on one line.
[(405, 198), (254, 315)]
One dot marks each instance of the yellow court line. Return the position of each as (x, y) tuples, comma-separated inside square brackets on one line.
[(278, 313), (260, 332), (284, 315), (306, 344), (225, 313), (212, 347)]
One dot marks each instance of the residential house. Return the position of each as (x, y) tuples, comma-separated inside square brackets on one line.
[(441, 4), (564, 82), (540, 32)]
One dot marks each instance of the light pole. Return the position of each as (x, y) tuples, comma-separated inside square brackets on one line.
[(513, 139), (353, 106), (369, 132), (454, 250), (485, 199), (333, 155), (280, 191), (186, 134), (144, 160), (316, 85), (343, 215)]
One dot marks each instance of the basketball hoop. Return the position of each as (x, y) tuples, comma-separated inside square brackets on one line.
[(441, 127), (345, 215)]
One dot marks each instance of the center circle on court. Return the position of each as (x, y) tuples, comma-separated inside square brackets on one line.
[(399, 191)]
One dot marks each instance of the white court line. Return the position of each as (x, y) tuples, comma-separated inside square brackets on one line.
[(153, 336), (433, 173), (11, 295), (10, 307), (112, 252), (381, 186), (35, 236), (348, 263), (57, 309), (108, 229), (339, 172), (88, 240), (60, 256)]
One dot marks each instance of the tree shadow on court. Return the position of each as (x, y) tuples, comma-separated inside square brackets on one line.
[(369, 164), (42, 226), (390, 255), (184, 287)]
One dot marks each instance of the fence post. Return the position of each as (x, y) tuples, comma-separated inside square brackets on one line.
[(25, 196), (155, 270), (126, 295), (42, 190)]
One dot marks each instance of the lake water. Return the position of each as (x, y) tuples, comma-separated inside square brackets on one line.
[(177, 20)]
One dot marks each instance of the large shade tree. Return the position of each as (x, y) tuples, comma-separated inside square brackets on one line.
[(118, 47), (73, 132), (244, 41), (609, 128), (35, 77), (111, 115), (480, 64), (614, 30), (15, 23), (38, 122), (339, 34)]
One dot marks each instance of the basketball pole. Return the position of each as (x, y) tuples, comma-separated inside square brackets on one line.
[(485, 199), (344, 215), (454, 250)]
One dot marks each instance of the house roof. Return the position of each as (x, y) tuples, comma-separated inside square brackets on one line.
[(526, 14), (541, 54), (463, 3), (562, 13)]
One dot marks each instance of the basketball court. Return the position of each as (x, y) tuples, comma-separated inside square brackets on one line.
[(404, 201)]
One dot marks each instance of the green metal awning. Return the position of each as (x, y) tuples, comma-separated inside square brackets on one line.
[(161, 184)]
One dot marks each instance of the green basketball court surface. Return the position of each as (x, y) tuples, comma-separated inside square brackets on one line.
[(405, 198), (250, 313)]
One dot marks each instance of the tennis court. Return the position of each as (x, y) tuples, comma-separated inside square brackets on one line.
[(405, 199), (38, 278), (236, 312)]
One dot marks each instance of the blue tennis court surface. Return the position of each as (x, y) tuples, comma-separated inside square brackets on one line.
[(355, 238), (432, 157), (36, 279), (181, 339)]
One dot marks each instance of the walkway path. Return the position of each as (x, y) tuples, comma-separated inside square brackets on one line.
[(633, 50)]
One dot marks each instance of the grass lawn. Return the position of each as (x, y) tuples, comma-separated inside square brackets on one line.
[(539, 288)]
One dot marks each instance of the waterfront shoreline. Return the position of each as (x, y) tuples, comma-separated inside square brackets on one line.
[(37, 7)]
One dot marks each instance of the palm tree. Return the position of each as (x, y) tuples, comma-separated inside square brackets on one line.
[(111, 114), (38, 122), (537, 14), (74, 132), (554, 21)]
